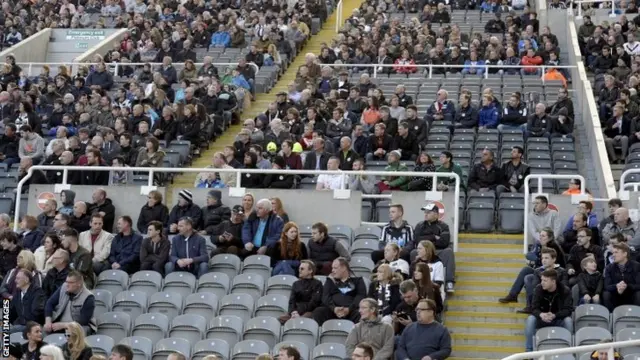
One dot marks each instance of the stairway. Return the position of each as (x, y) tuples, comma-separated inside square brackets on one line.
[(482, 328), (262, 100)]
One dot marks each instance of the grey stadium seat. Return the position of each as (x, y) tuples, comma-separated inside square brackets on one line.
[(241, 305), (167, 303), (133, 303), (248, 283), (203, 304), (257, 264), (264, 328), (591, 335), (341, 232), (103, 300), (591, 315), (217, 283), (335, 331), (181, 282), (166, 346), (100, 344), (625, 335), (272, 305), (153, 326), (302, 349), (362, 266), (511, 217), (626, 317), (149, 282), (113, 280), (301, 329), (249, 349), (226, 263), (227, 327), (17, 338), (141, 346), (206, 347), (364, 247), (55, 339), (190, 326), (114, 324), (330, 351), (280, 285), (552, 337), (367, 232), (480, 217)]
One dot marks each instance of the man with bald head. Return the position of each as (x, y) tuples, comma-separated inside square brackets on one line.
[(103, 206), (80, 219), (57, 275), (38, 177), (621, 224)]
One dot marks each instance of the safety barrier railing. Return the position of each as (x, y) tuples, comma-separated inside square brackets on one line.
[(378, 68), (527, 196), (339, 20), (341, 193), (549, 354), (74, 66), (579, 16)]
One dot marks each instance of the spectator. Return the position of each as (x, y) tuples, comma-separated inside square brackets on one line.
[(488, 115), (513, 173), (278, 180), (76, 348), (514, 116), (278, 209), (216, 179), (31, 145), (45, 219), (230, 239), (543, 217), (551, 306), (306, 293), (617, 133), (426, 288), (585, 207), (590, 282), (98, 242), (332, 182), (362, 351), (582, 249), (318, 158), (184, 208), (154, 250), (192, 256), (531, 63), (370, 328), (214, 213), (467, 115), (484, 176), (10, 247), (398, 232), (392, 258), (324, 249), (153, 210), (426, 253), (9, 145), (539, 124), (67, 198), (31, 237), (73, 294), (125, 248), (437, 232), (124, 352), (622, 279), (150, 155), (25, 260), (102, 205), (448, 166), (380, 144), (27, 304), (80, 220), (405, 313), (56, 276), (621, 224), (79, 257), (613, 205), (33, 334), (607, 97), (385, 289), (341, 293), (426, 337), (442, 109), (473, 65), (288, 252), (261, 230)]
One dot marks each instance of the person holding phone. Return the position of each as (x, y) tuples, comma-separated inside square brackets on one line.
[(230, 241)]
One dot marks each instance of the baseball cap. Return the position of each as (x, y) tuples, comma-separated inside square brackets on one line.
[(238, 209), (431, 207)]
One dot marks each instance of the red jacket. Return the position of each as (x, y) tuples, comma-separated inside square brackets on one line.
[(536, 60)]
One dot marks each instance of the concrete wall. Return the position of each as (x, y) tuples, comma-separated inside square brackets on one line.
[(102, 47), (32, 49)]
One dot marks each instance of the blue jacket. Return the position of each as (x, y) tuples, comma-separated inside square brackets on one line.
[(592, 222), (489, 7), (272, 230), (631, 276), (197, 248), (534, 44), (478, 67), (488, 116), (241, 82), (221, 39), (169, 74), (125, 249), (104, 79), (32, 240)]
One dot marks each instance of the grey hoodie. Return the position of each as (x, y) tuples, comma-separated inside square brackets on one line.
[(539, 221), (378, 334), (32, 147)]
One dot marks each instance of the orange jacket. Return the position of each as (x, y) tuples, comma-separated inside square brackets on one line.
[(554, 74)]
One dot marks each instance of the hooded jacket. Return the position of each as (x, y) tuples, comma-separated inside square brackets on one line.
[(158, 212), (69, 200), (377, 334)]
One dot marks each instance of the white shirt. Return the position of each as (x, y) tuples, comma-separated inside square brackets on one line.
[(331, 182), (632, 48)]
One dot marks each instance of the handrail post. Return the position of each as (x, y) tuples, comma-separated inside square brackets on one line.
[(430, 71), (65, 176), (150, 180)]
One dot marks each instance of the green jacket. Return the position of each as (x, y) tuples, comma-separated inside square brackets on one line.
[(396, 181), (451, 181)]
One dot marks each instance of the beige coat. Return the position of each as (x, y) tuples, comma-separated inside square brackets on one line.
[(102, 246), (228, 178), (42, 263)]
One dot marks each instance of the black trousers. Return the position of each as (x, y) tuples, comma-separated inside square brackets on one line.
[(323, 313)]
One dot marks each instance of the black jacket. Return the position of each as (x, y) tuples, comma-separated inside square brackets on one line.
[(310, 161), (631, 276), (212, 218), (590, 284), (428, 231), (467, 117), (514, 116), (481, 177), (280, 181), (53, 280), (191, 210), (148, 214), (558, 302), (235, 230), (306, 295), (345, 294), (578, 253), (161, 253), (109, 210), (27, 308), (96, 178), (9, 146), (514, 175)]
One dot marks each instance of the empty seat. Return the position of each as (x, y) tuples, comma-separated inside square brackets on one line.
[(552, 337), (482, 197), (203, 304), (248, 283), (146, 281), (133, 303), (591, 315), (335, 331), (114, 324), (341, 232), (511, 198), (241, 305), (103, 300), (272, 305), (228, 264), (362, 266), (330, 351), (511, 218), (153, 326), (626, 317), (114, 281), (302, 349), (480, 217), (166, 346), (280, 285), (189, 326), (367, 232), (301, 329), (100, 344), (264, 328), (17, 338), (364, 247), (55, 339), (591, 335), (167, 303), (141, 346), (180, 282), (226, 327), (217, 347), (257, 264), (217, 283), (249, 350)]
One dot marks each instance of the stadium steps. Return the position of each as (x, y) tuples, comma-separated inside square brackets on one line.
[(262, 100), (481, 327), (616, 171)]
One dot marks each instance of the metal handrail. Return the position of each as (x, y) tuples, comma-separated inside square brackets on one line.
[(239, 172), (548, 354), (339, 20), (580, 2), (527, 194)]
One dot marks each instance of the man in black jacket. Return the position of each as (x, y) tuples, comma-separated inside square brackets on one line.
[(91, 177), (513, 173), (229, 240), (552, 306), (485, 175), (9, 145), (154, 251), (581, 250), (103, 206), (57, 275), (341, 294), (514, 115), (622, 279), (28, 302), (306, 293), (184, 207)]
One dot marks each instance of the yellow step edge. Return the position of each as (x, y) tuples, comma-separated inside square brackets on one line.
[(490, 349), (470, 304), (487, 314), (490, 337), (476, 283), (489, 264), (490, 236), (483, 325), (489, 246), (477, 274), (497, 294), (491, 254)]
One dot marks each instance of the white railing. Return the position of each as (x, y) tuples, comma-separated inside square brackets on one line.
[(339, 7), (549, 354), (341, 193), (74, 66), (578, 16), (430, 67), (527, 196)]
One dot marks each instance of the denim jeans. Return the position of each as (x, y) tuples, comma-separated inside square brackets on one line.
[(503, 127), (517, 286), (197, 270), (530, 283), (533, 324)]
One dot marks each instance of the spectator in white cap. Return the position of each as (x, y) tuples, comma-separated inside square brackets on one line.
[(184, 207)]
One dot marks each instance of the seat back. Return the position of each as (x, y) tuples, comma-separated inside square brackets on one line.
[(203, 304), (153, 326), (330, 351), (100, 344), (226, 327), (166, 346), (180, 282), (217, 347), (217, 283), (142, 347)]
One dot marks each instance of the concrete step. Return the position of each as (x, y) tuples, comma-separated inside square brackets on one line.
[(490, 247), (499, 285), (501, 315), (480, 327), (488, 266), (486, 352), (487, 340), (483, 295), (517, 239), (470, 256), (484, 304), (485, 275)]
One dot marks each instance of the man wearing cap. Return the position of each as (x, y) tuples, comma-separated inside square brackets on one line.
[(437, 231), (513, 173), (230, 239), (184, 208)]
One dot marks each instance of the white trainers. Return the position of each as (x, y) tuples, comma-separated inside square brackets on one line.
[(450, 288)]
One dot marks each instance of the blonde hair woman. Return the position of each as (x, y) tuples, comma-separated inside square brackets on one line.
[(51, 352), (27, 261), (386, 290), (427, 254), (76, 348)]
